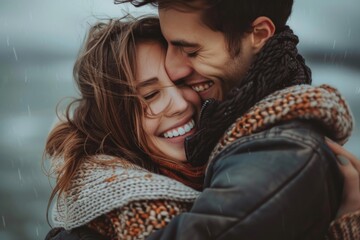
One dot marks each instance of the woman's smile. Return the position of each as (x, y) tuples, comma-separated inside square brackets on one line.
[(179, 131), (172, 107)]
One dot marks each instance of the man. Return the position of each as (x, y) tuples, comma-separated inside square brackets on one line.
[(241, 51)]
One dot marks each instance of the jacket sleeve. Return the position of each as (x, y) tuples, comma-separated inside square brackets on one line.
[(80, 233), (282, 183), (345, 228)]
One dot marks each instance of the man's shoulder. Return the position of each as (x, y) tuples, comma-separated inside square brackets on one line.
[(287, 136), (295, 130)]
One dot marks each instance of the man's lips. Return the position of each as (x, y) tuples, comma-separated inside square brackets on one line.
[(201, 86)]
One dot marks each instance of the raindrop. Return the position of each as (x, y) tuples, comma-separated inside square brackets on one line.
[(30, 16), (26, 78), (16, 57), (3, 220), (228, 177), (207, 228), (345, 54), (220, 209), (29, 111), (8, 41), (36, 192), (20, 178), (334, 44), (349, 32), (37, 231), (358, 90)]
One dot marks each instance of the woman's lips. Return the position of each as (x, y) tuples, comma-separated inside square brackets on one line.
[(180, 139), (179, 131)]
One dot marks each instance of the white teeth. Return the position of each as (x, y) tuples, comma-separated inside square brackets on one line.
[(191, 124), (202, 87), (175, 133), (180, 130)]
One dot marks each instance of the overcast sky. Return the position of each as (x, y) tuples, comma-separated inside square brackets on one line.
[(53, 29)]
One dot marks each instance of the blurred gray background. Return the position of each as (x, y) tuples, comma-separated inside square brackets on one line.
[(39, 41)]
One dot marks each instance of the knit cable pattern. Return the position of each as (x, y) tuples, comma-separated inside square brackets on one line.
[(345, 228), (323, 104), (139, 219), (98, 189)]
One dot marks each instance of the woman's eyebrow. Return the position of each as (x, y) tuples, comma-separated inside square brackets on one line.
[(147, 82)]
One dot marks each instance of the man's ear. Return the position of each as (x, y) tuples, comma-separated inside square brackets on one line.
[(262, 29)]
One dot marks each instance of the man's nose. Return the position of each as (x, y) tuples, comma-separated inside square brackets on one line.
[(176, 64)]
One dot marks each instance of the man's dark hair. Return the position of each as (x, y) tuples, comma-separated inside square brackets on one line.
[(231, 17)]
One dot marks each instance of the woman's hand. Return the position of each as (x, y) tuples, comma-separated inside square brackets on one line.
[(349, 166)]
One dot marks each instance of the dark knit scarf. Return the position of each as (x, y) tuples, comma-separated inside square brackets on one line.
[(278, 65)]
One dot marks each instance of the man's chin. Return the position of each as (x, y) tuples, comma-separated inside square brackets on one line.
[(211, 93)]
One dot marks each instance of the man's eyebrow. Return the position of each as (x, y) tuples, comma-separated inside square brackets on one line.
[(182, 43), (147, 82)]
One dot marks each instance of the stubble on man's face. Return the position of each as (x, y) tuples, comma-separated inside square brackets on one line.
[(202, 51), (236, 69)]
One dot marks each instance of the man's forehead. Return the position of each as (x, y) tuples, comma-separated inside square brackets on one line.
[(177, 22), (183, 5)]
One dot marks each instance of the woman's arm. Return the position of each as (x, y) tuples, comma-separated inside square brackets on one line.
[(347, 224)]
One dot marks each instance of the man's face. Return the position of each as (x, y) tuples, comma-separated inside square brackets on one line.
[(200, 55)]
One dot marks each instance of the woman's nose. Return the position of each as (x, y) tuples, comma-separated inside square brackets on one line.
[(177, 102)]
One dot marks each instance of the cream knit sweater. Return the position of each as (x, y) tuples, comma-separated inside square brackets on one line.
[(97, 189)]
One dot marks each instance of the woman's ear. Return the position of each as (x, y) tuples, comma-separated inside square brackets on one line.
[(262, 29)]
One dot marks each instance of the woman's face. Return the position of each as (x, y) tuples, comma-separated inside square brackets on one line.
[(172, 106)]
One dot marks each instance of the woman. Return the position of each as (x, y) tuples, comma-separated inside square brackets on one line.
[(130, 111), (126, 134)]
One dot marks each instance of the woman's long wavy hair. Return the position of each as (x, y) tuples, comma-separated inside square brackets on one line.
[(106, 119)]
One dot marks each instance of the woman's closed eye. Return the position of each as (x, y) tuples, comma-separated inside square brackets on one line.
[(151, 95)]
